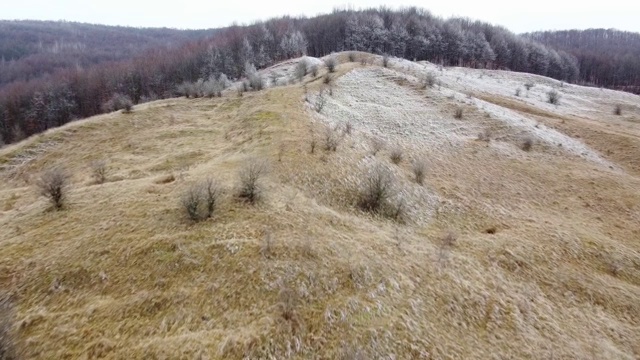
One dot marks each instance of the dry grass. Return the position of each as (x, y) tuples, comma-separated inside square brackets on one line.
[(120, 274)]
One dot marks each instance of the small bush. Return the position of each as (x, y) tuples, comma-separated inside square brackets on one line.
[(331, 63), (200, 200), (429, 80), (8, 349), (485, 135), (314, 70), (553, 97), (118, 102), (53, 184), (419, 169), (518, 91), (250, 175), (348, 128), (529, 85), (99, 171), (327, 79), (352, 57), (527, 143), (332, 139), (617, 110), (459, 113), (396, 155), (376, 189), (385, 60), (320, 101), (447, 243), (376, 145), (301, 69)]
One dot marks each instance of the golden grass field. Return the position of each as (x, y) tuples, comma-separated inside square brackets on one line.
[(546, 264)]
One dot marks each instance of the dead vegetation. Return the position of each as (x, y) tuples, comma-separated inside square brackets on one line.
[(53, 184), (200, 200), (250, 176)]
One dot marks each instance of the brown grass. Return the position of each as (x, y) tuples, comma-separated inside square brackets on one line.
[(120, 274)]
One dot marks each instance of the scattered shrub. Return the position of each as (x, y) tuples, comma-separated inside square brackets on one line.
[(527, 143), (529, 85), (200, 200), (348, 128), (331, 63), (419, 169), (250, 175), (485, 135), (301, 69), (118, 102), (617, 110), (376, 189), (327, 79), (312, 145), (429, 80), (396, 155), (385, 60), (376, 145), (518, 91), (314, 70), (320, 101), (459, 113), (254, 81), (363, 60), (553, 97), (53, 184), (352, 57), (447, 242), (99, 171), (332, 139)]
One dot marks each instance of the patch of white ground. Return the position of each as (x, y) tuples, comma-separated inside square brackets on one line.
[(284, 73)]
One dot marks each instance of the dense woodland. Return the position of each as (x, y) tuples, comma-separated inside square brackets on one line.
[(607, 57), (36, 100)]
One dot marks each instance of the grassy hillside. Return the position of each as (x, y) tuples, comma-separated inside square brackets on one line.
[(502, 252)]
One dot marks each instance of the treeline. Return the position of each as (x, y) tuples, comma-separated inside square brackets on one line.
[(28, 107), (607, 57)]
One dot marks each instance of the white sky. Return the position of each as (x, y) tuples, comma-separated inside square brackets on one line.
[(517, 15)]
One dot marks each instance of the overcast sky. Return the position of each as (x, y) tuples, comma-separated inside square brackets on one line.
[(517, 15)]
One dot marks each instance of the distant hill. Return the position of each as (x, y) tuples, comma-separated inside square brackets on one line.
[(30, 49), (607, 57)]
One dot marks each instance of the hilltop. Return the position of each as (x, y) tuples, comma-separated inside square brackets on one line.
[(521, 242)]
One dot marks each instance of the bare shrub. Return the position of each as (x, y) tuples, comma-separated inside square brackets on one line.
[(458, 113), (312, 145), (617, 110), (396, 155), (332, 138), (377, 144), (529, 85), (8, 349), (320, 101), (352, 57), (327, 79), (331, 63), (518, 91), (385, 60), (200, 200), (99, 171), (363, 61), (419, 169), (192, 202), (348, 128), (429, 80), (250, 175), (118, 102), (53, 184), (553, 97), (376, 189), (301, 69), (527, 143), (314, 70), (446, 244), (485, 135), (254, 81)]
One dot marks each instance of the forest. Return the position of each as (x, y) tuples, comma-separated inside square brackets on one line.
[(148, 64)]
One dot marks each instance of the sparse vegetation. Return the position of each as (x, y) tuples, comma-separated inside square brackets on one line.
[(351, 56), (250, 176), (376, 189), (485, 135), (313, 70), (446, 244), (385, 60), (200, 200), (429, 80), (553, 97), (396, 155), (377, 144), (458, 113), (327, 79), (617, 110), (320, 101), (518, 91), (301, 69), (99, 171), (53, 184), (7, 341), (332, 139), (348, 128), (419, 169), (529, 85), (331, 63), (527, 143), (118, 102)]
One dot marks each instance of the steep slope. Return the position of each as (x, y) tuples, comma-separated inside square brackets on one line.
[(546, 263)]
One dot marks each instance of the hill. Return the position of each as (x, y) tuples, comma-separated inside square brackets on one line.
[(607, 57), (521, 242)]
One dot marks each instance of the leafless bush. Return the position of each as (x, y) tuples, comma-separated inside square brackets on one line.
[(459, 113), (118, 102), (327, 79), (447, 242), (301, 69), (553, 97), (313, 145), (314, 70), (518, 91), (529, 85), (385, 60), (331, 63), (320, 101), (99, 171), (485, 135), (396, 155), (332, 138), (351, 56), (617, 110), (200, 200), (363, 60), (377, 144), (348, 128), (8, 349), (429, 80), (419, 169), (527, 143), (376, 189), (53, 184), (250, 175)]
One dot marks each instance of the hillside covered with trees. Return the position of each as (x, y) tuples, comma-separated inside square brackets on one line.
[(31, 104), (606, 57)]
